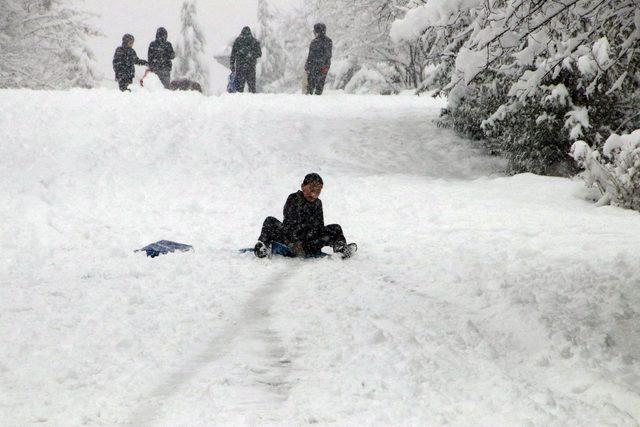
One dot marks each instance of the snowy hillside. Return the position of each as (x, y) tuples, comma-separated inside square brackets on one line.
[(475, 299)]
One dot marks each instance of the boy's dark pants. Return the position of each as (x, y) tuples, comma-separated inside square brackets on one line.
[(316, 80), (124, 83), (165, 76), (331, 234), (246, 73)]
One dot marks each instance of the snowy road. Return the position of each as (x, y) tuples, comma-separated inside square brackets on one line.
[(475, 299)]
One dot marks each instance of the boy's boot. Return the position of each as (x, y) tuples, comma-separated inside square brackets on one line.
[(261, 250), (345, 250)]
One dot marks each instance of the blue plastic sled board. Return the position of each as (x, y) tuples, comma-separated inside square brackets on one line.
[(284, 250), (232, 85), (163, 247)]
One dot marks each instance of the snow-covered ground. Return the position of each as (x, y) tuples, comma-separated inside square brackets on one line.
[(475, 299)]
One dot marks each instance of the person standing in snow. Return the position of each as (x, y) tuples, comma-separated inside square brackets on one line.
[(319, 60), (160, 55), (124, 61), (244, 57), (303, 229)]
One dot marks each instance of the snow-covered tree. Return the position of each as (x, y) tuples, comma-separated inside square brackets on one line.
[(293, 32), (533, 76), (191, 61), (360, 31), (272, 63), (363, 49), (44, 45)]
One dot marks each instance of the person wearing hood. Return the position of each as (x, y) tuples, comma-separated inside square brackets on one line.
[(160, 55), (124, 61), (244, 57), (319, 60)]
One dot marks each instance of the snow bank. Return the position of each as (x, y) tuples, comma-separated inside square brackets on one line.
[(149, 83)]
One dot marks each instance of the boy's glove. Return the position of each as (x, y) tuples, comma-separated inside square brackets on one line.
[(324, 70), (296, 248)]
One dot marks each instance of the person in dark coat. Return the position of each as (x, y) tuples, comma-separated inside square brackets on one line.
[(124, 61), (160, 55), (319, 60), (302, 228), (244, 57)]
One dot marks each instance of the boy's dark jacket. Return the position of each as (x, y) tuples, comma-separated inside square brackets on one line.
[(320, 51), (123, 63), (160, 52), (303, 220), (245, 51)]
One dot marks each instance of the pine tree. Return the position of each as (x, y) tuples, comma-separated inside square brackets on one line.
[(191, 61), (272, 63), (43, 44)]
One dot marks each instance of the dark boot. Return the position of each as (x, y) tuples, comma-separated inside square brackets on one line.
[(261, 250), (345, 250)]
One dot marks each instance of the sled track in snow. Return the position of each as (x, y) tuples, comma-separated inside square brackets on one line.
[(516, 304), (270, 379)]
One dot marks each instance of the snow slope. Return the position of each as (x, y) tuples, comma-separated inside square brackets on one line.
[(475, 299)]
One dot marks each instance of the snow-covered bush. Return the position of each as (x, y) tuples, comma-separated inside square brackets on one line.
[(565, 70), (379, 80), (468, 105), (536, 133), (532, 138), (615, 170), (342, 71)]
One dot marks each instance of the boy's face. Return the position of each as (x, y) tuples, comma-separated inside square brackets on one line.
[(311, 191)]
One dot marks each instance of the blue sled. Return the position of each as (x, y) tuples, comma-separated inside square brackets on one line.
[(164, 247), (284, 250), (232, 85)]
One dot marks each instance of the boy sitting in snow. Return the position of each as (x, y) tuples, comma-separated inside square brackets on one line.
[(303, 229)]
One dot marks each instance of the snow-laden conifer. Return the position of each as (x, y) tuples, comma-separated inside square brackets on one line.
[(191, 61), (272, 63), (44, 45)]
